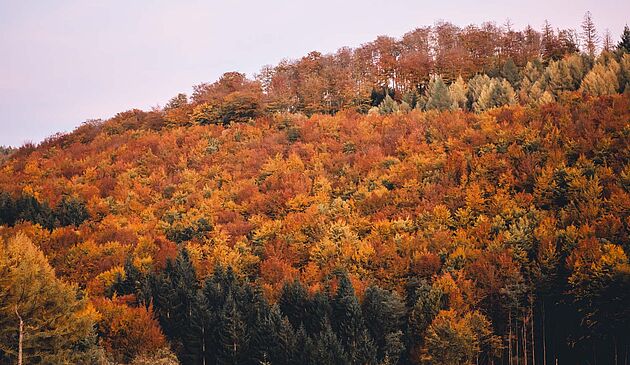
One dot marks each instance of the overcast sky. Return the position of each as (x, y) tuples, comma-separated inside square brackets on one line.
[(65, 61)]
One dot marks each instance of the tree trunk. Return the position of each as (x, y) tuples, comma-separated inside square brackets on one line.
[(21, 336), (203, 344), (531, 319), (517, 352), (615, 343), (510, 338), (543, 335), (525, 341)]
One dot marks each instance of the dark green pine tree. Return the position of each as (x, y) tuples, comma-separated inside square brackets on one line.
[(349, 325), (305, 348), (132, 283), (165, 304), (424, 303), (71, 211), (624, 44), (213, 298), (232, 335), (8, 209), (203, 326), (294, 303), (286, 339), (386, 312), (175, 295), (30, 209), (263, 335), (319, 311), (187, 287), (327, 349), (273, 338)]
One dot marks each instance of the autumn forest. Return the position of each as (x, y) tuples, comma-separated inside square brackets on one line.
[(458, 195)]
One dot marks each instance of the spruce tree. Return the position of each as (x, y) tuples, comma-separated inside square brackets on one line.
[(71, 211), (131, 283), (305, 348), (30, 209), (320, 310), (8, 209), (328, 349), (349, 325), (214, 295), (186, 286), (424, 302), (232, 335), (624, 44), (385, 311), (273, 338), (294, 303), (175, 299)]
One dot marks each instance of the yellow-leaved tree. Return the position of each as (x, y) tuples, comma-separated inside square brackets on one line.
[(43, 320)]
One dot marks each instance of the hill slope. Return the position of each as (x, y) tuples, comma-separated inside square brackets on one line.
[(484, 220)]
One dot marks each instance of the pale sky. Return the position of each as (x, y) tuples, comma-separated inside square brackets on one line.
[(65, 61)]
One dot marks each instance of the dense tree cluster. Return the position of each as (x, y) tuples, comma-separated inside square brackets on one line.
[(68, 211), (225, 320), (465, 200)]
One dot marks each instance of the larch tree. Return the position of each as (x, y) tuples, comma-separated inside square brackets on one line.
[(559, 77), (43, 320), (475, 87), (601, 80), (589, 35), (549, 42), (509, 71), (438, 95), (388, 105), (533, 84), (458, 92), (495, 94), (607, 41)]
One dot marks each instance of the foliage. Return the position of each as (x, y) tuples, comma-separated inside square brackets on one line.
[(57, 319), (477, 214)]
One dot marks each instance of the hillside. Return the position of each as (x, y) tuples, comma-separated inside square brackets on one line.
[(451, 204)]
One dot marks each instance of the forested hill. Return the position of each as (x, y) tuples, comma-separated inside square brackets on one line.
[(457, 196)]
